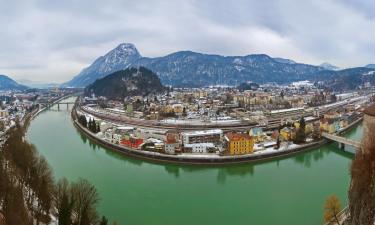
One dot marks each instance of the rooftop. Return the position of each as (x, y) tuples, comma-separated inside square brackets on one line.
[(203, 132)]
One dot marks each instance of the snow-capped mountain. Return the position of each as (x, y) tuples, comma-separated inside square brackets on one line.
[(282, 60), (329, 66), (192, 69), (119, 58)]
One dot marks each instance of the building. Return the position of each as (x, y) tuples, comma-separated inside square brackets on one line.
[(288, 133), (199, 148), (172, 142), (238, 144), (4, 113), (257, 134), (206, 136)]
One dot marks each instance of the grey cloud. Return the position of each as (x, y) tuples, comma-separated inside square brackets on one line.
[(53, 40)]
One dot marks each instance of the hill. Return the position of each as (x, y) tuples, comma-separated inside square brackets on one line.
[(350, 79), (6, 83), (129, 82)]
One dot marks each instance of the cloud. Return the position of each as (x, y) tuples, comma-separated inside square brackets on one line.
[(53, 40)]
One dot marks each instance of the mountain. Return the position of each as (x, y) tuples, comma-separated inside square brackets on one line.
[(192, 69), (287, 61), (371, 66), (7, 83), (350, 79), (118, 59), (329, 66), (128, 82)]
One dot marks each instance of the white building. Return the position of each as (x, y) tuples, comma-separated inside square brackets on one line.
[(199, 147), (205, 136), (170, 148)]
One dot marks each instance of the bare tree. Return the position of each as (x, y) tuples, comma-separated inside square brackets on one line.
[(86, 199), (362, 192), (332, 208), (64, 202)]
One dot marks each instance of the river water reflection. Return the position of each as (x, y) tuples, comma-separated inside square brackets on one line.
[(286, 191)]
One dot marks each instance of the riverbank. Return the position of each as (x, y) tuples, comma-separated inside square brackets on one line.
[(127, 184), (206, 158)]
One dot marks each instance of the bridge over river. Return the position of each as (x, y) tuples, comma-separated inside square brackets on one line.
[(342, 140)]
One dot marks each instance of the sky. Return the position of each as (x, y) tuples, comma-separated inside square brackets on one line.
[(52, 41)]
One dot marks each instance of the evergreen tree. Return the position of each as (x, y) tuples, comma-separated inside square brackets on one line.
[(104, 221), (301, 134), (90, 124), (98, 128), (82, 120), (93, 129), (302, 122)]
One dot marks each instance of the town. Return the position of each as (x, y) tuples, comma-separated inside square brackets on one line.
[(223, 121), (16, 106)]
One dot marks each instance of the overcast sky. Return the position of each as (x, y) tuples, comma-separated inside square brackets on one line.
[(53, 40)]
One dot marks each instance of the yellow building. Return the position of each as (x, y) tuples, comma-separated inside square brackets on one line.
[(239, 144), (178, 108), (288, 134)]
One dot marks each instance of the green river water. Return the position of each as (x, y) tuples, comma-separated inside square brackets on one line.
[(287, 191)]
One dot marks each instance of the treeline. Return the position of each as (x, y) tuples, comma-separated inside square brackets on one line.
[(91, 124), (362, 186), (29, 195)]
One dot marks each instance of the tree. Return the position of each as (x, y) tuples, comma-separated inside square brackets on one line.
[(302, 123), (64, 202), (86, 199), (104, 221), (43, 188), (2, 126), (332, 208), (93, 126), (361, 192), (301, 134), (278, 142), (82, 120)]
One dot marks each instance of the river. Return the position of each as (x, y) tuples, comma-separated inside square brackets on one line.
[(288, 191)]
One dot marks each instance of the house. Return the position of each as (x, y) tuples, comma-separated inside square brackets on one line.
[(152, 144), (4, 113), (287, 133), (132, 142), (172, 144), (205, 136), (257, 134), (238, 144), (199, 148), (111, 136)]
